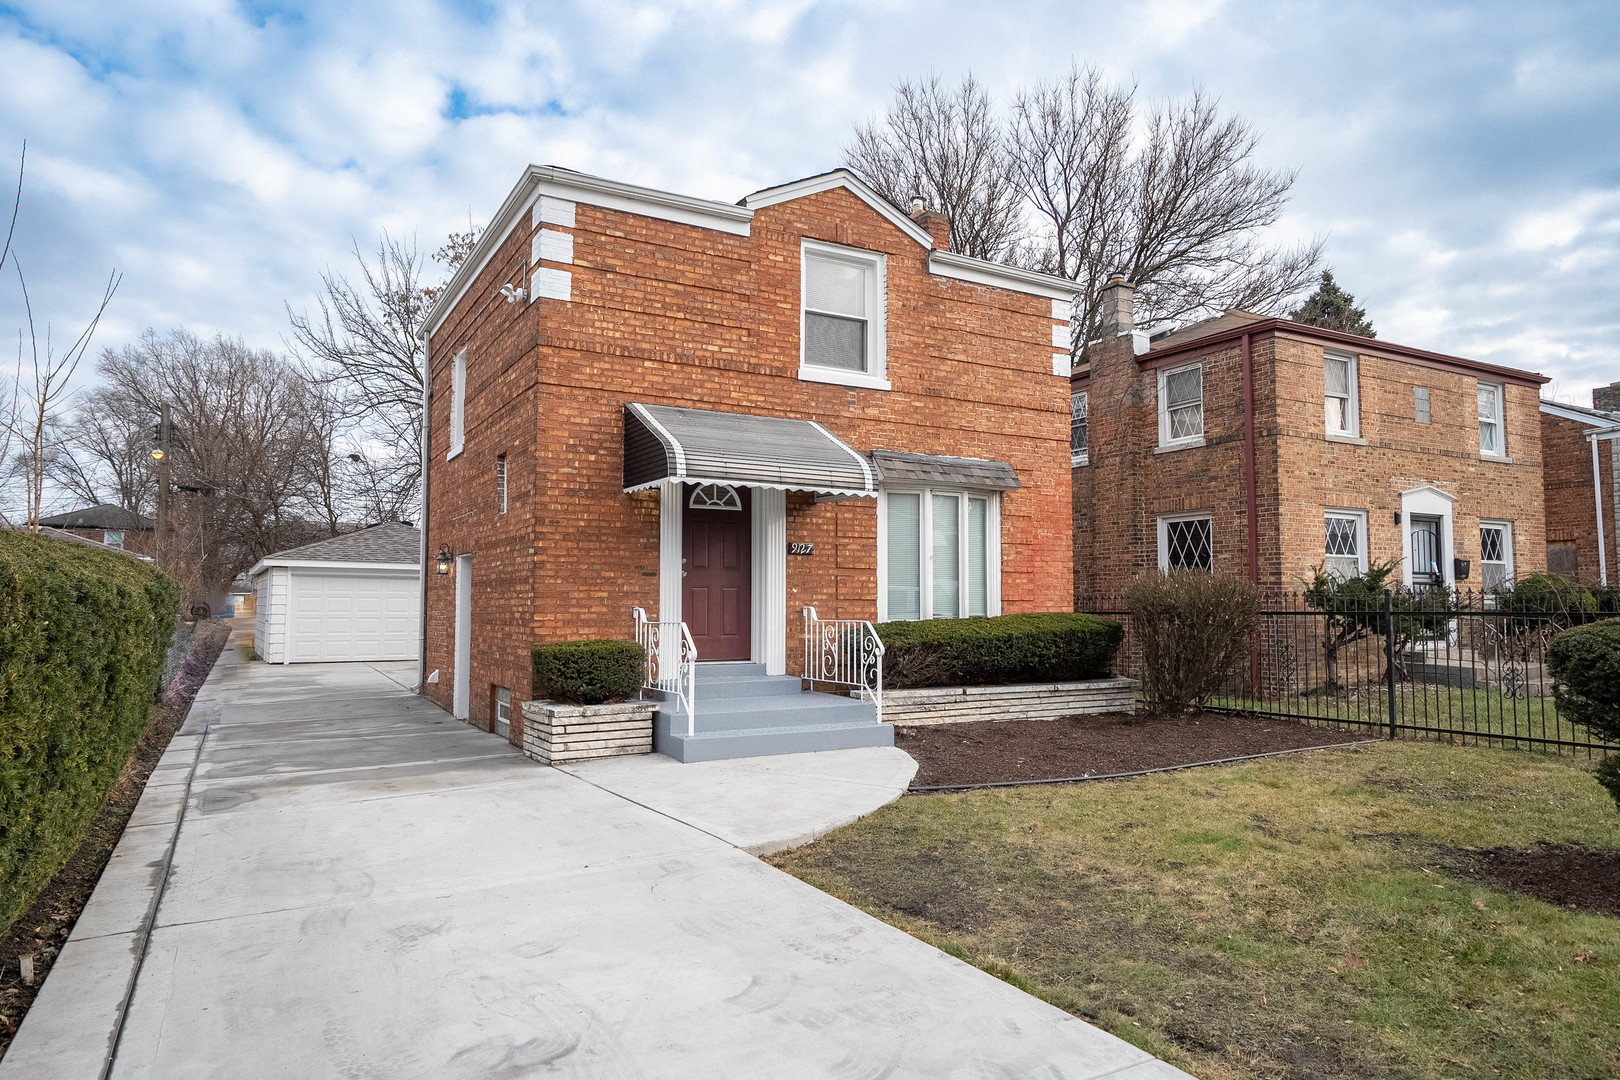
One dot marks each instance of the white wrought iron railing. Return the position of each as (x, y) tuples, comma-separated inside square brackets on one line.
[(671, 662), (844, 652)]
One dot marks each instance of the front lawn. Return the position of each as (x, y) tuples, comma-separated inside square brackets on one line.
[(1319, 915)]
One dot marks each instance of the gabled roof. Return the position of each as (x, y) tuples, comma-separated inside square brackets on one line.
[(840, 178), (100, 516), (388, 544), (1230, 319)]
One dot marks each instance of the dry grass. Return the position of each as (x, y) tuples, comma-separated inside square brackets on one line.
[(1298, 917)]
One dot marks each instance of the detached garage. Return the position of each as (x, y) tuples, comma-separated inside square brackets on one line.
[(353, 597)]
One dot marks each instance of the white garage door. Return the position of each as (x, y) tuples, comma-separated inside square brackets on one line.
[(353, 616)]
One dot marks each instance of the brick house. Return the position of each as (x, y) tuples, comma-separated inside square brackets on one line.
[(107, 524), (1581, 477), (1343, 450), (723, 413)]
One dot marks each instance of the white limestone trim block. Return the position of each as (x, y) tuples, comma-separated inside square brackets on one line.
[(1062, 309), (1060, 365), (1060, 335), (550, 210), (1037, 701), (551, 284), (551, 246), (554, 733)]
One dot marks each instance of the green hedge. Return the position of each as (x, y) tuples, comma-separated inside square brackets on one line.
[(1054, 646), (1585, 661), (83, 635), (588, 672)]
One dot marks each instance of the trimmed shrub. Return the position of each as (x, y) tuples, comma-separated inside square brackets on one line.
[(83, 636), (588, 672), (1195, 630), (1055, 646), (1585, 661)]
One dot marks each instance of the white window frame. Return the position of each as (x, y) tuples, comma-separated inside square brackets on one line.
[(1079, 399), (500, 483), (1360, 518), (1352, 401), (497, 721), (1164, 536), (1165, 441), (1507, 548), (458, 404), (875, 377), (1500, 420), (925, 534), (113, 538)]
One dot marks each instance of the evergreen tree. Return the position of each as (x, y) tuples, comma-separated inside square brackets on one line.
[(1331, 308)]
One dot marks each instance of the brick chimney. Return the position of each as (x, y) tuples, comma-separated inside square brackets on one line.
[(938, 225), (1606, 398)]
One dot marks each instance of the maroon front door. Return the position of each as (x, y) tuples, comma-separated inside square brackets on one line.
[(716, 558)]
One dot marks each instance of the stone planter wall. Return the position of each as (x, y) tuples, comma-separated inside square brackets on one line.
[(556, 734), (1033, 701)]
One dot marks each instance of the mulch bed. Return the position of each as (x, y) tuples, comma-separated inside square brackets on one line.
[(1578, 878), (41, 931), (1101, 745)]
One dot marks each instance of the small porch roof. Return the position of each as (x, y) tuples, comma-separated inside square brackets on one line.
[(664, 443)]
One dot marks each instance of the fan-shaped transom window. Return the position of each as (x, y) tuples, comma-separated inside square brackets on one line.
[(716, 497)]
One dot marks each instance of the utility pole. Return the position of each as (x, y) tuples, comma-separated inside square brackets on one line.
[(161, 455)]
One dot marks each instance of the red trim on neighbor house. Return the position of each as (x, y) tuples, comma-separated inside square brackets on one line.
[(1420, 357)]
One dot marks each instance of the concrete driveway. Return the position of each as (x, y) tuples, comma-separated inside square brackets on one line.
[(362, 887)]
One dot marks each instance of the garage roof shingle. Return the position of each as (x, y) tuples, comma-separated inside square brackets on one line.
[(390, 542)]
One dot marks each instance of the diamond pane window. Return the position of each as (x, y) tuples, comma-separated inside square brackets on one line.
[(1343, 550), (1495, 556), (1490, 419), (1079, 429), (1188, 545), (1183, 397)]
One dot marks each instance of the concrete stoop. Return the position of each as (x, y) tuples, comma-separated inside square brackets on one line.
[(743, 712)]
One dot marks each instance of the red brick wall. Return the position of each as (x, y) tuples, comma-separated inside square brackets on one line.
[(1300, 472), (1571, 507), (671, 314)]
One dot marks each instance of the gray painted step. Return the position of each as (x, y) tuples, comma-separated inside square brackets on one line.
[(742, 712)]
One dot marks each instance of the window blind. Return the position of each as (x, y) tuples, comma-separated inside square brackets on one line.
[(904, 556), (978, 566), (947, 566)]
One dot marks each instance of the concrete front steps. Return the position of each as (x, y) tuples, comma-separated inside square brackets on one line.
[(743, 712)]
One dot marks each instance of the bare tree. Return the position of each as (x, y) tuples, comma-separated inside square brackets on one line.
[(36, 410), (946, 146), (1174, 200), (108, 439)]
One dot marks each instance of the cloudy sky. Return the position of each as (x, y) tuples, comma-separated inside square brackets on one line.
[(1462, 159)]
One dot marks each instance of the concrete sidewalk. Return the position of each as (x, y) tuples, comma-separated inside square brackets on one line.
[(362, 887)]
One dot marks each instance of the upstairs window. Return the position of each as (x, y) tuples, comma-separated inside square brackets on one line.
[(458, 403), (1339, 394), (500, 484), (842, 332), (1181, 406), (1079, 429), (1345, 554), (1186, 543), (1491, 440)]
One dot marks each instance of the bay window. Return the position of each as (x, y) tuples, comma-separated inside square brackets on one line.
[(940, 555)]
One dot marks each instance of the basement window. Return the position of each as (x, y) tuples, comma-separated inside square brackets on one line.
[(503, 712)]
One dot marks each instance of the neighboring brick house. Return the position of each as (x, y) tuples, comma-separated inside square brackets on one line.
[(1582, 483), (107, 524), (618, 374), (1344, 450)]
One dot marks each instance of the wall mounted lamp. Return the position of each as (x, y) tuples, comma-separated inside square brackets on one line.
[(443, 559)]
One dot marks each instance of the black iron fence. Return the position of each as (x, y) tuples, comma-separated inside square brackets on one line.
[(1461, 667)]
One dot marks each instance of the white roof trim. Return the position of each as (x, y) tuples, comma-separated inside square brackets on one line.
[(1000, 276), (578, 187), (840, 178), (1431, 490), (1578, 413), (328, 564)]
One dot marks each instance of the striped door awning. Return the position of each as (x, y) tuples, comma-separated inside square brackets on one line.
[(664, 443)]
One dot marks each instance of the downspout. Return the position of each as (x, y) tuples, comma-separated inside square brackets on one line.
[(421, 626), (1250, 494), (1249, 482), (1597, 498)]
